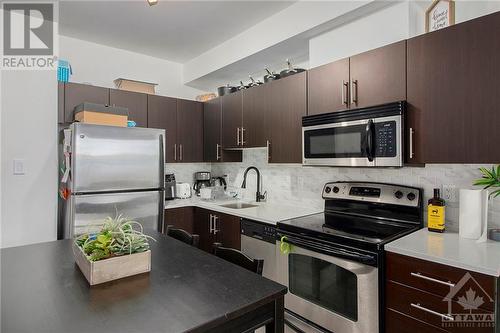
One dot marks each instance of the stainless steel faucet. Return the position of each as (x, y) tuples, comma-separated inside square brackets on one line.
[(258, 197)]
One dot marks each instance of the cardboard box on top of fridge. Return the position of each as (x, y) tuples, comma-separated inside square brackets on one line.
[(134, 85), (99, 114)]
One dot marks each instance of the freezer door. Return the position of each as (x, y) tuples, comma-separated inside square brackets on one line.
[(109, 158), (88, 211)]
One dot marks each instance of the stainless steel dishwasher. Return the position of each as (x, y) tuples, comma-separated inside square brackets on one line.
[(258, 240)]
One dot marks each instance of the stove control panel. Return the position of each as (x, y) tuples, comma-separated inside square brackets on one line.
[(373, 192)]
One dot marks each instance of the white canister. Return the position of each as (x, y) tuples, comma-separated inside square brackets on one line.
[(473, 215), (206, 193)]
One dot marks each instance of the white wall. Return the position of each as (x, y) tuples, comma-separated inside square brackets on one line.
[(390, 24), (402, 20), (100, 65), (29, 132)]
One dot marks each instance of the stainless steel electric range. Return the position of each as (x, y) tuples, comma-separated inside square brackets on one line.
[(334, 266)]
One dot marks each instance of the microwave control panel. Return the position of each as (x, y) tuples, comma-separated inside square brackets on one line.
[(385, 139)]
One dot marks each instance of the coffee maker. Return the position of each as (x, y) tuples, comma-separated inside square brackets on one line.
[(201, 179)]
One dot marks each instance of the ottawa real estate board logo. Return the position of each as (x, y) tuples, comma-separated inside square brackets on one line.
[(29, 40), (470, 307)]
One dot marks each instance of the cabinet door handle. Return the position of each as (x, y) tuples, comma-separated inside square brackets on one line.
[(216, 228), (412, 131), (354, 91), (211, 224), (344, 88), (180, 152), (442, 315), (243, 136), (421, 276), (268, 145), (175, 151), (237, 136), (217, 155)]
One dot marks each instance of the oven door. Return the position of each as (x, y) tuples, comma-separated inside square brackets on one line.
[(357, 143), (337, 294)]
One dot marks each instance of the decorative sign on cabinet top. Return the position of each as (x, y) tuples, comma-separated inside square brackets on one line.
[(440, 14)]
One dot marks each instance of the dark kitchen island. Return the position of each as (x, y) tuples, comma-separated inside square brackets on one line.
[(187, 290)]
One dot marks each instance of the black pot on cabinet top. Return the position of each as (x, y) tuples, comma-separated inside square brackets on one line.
[(225, 90), (290, 70)]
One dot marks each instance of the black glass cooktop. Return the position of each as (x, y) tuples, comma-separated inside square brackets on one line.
[(346, 229)]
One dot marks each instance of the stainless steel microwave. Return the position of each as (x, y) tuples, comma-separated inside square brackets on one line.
[(365, 137)]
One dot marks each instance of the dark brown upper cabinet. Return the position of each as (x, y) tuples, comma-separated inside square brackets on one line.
[(328, 87), (255, 107), (374, 77), (212, 135), (76, 93), (453, 99), (136, 103), (162, 114), (212, 127), (189, 131), (287, 106), (232, 118), (378, 76)]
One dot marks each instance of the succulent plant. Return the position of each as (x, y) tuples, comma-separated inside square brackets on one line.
[(118, 236)]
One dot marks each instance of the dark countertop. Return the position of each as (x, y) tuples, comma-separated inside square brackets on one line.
[(42, 290)]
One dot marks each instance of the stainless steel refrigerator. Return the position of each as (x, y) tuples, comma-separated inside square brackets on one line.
[(113, 170)]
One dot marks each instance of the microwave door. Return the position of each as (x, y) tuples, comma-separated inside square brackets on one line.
[(338, 144)]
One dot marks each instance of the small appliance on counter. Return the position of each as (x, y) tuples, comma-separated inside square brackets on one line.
[(183, 190), (170, 186), (201, 179)]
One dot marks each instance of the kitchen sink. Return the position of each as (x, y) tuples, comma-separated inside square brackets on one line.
[(238, 205)]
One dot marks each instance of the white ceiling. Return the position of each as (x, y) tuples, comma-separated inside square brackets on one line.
[(173, 30)]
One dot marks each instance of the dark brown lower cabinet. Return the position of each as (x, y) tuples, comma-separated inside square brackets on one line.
[(217, 227), (424, 296), (203, 228), (182, 218), (228, 230), (401, 323)]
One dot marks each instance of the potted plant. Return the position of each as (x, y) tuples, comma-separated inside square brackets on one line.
[(490, 179), (118, 250)]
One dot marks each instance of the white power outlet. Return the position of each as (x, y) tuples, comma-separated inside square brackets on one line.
[(450, 193), (19, 168)]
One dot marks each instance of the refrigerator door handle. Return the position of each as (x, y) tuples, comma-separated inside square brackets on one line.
[(161, 212), (162, 163)]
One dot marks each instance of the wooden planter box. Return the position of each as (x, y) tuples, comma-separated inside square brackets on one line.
[(113, 268)]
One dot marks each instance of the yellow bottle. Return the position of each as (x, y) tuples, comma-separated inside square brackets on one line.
[(436, 213)]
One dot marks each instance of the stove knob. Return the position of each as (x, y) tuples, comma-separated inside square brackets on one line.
[(336, 189), (398, 194), (411, 196), (328, 189)]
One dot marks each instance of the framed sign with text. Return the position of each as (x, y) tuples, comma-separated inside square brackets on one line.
[(440, 14)]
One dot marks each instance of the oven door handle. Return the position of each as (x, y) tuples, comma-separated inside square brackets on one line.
[(330, 250), (370, 141)]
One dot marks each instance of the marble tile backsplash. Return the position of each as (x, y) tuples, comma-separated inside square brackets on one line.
[(297, 185)]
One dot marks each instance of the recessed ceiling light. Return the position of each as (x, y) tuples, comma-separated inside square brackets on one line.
[(152, 2)]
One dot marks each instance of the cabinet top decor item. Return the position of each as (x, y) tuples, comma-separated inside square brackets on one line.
[(440, 14), (137, 86)]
